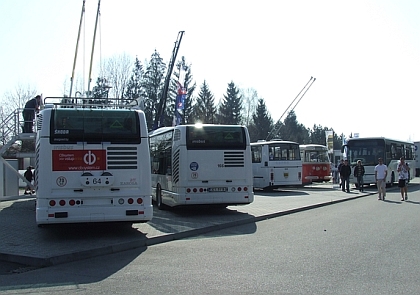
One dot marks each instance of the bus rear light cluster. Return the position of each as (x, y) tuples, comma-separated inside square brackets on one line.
[(130, 201)]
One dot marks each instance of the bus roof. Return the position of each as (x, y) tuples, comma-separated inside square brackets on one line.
[(377, 137), (165, 129), (273, 142)]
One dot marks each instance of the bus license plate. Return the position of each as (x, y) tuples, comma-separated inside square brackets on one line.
[(217, 189)]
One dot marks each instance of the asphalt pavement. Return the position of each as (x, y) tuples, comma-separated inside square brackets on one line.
[(23, 242)]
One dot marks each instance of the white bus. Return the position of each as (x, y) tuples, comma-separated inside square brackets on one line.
[(201, 164), (92, 165), (275, 164), (369, 149), (316, 165)]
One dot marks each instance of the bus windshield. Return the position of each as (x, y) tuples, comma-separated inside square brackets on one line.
[(368, 151), (70, 125), (316, 156), (284, 152), (215, 138)]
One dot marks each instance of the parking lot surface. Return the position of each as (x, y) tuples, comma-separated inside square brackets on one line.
[(23, 242)]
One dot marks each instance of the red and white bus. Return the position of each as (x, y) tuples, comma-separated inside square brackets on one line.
[(316, 165), (92, 165)]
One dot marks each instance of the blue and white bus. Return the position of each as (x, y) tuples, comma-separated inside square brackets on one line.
[(201, 164)]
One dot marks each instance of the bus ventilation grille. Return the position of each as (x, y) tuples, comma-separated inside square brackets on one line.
[(175, 166), (39, 120), (121, 158), (234, 159)]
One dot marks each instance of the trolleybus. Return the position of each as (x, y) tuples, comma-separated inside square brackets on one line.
[(276, 163), (369, 149), (201, 164), (92, 165), (316, 166)]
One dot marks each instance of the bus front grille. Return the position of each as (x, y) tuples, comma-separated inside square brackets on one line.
[(234, 159), (121, 158)]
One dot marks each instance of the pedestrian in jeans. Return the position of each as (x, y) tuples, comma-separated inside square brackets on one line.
[(345, 173), (381, 171), (359, 171), (403, 175)]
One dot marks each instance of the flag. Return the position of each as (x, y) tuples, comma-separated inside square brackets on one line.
[(329, 136), (179, 103)]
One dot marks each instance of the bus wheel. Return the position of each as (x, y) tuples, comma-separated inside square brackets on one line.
[(159, 202)]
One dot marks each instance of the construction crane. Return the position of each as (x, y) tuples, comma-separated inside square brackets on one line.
[(77, 48), (306, 88), (162, 102)]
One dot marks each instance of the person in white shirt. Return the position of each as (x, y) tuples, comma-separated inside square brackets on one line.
[(403, 172), (381, 171)]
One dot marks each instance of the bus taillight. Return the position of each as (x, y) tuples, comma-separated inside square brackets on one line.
[(52, 203), (62, 202), (139, 201), (130, 201), (72, 202), (239, 189), (188, 190), (194, 190), (201, 190), (245, 189)]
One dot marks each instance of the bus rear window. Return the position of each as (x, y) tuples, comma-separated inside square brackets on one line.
[(94, 126), (216, 138)]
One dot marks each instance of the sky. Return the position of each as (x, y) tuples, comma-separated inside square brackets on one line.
[(364, 54)]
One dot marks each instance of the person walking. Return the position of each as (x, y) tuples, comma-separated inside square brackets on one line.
[(31, 107), (29, 177), (381, 171), (403, 176), (345, 173), (339, 173), (359, 172)]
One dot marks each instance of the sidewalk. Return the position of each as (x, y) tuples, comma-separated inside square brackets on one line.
[(23, 242)]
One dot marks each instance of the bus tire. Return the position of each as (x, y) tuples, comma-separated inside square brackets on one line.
[(159, 201)]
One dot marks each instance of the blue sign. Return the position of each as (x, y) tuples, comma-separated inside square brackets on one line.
[(194, 166)]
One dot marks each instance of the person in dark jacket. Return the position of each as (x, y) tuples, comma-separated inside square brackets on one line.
[(31, 107), (29, 177), (359, 171), (345, 173)]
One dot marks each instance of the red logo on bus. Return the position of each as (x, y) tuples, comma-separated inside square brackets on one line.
[(78, 160)]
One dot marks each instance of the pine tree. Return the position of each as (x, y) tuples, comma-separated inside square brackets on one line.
[(294, 131), (204, 110), (152, 84), (134, 86), (231, 106), (261, 122)]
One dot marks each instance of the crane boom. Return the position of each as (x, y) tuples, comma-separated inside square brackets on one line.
[(77, 48), (162, 102), (93, 46)]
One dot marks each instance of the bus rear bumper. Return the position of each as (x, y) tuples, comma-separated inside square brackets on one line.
[(81, 215)]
